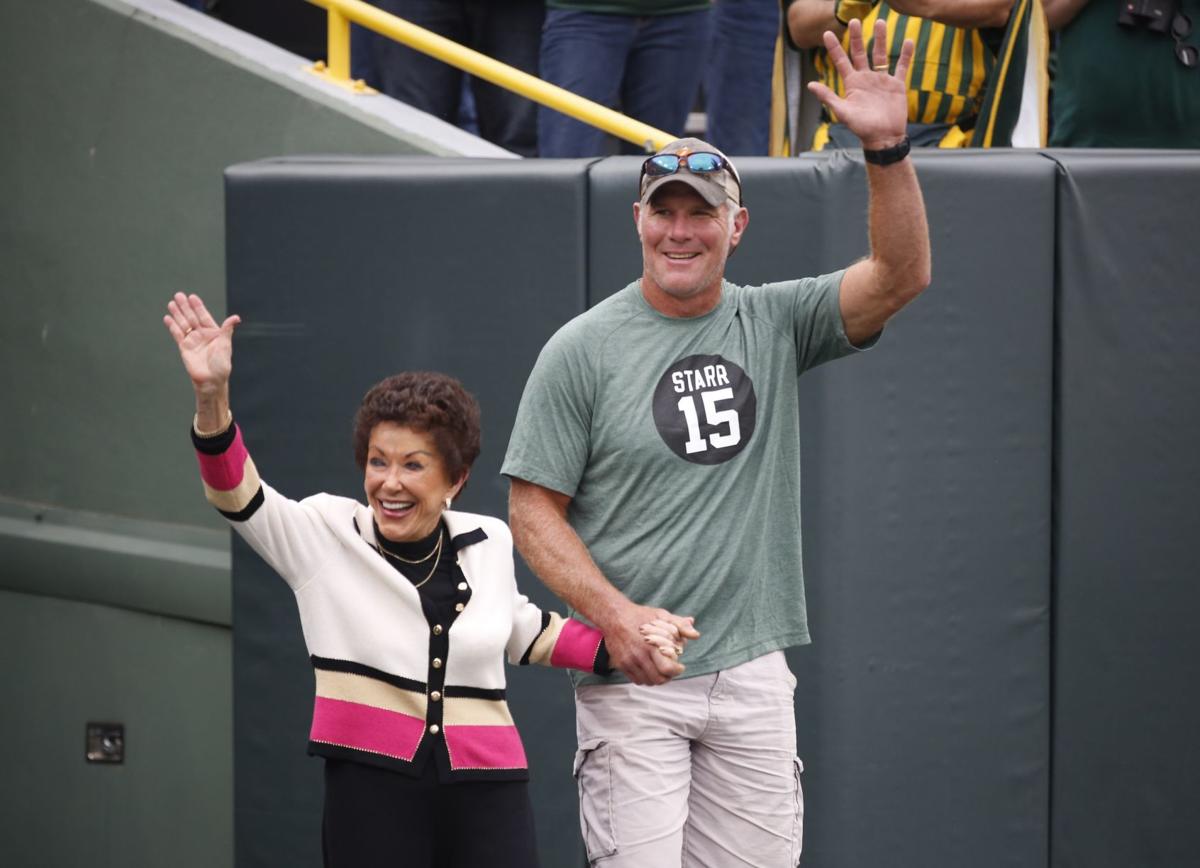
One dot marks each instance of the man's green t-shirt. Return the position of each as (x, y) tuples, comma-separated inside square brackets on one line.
[(678, 443)]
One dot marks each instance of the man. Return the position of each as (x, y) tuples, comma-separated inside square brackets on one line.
[(737, 80), (655, 473), (638, 56), (957, 44), (509, 32)]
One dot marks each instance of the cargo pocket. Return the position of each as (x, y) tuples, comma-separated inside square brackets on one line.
[(798, 821), (593, 775)]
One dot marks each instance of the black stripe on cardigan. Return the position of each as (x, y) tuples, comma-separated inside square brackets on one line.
[(349, 666), (214, 445), (529, 650), (471, 537), (462, 691), (249, 509)]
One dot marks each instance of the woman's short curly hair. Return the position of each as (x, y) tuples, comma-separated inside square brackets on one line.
[(426, 401)]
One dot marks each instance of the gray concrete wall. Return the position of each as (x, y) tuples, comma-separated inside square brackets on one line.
[(68, 663), (120, 117)]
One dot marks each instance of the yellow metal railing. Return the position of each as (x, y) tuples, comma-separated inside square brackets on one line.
[(337, 68)]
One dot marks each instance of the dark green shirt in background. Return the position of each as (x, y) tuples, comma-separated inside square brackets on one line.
[(1118, 87)]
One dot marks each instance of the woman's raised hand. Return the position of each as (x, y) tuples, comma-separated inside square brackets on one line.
[(205, 347)]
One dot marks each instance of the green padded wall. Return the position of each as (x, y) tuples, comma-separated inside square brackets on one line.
[(927, 467), (1127, 711), (923, 706), (453, 265)]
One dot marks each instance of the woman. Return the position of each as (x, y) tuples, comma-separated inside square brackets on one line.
[(407, 609)]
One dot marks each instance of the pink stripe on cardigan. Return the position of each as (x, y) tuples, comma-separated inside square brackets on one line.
[(485, 747), (576, 646), (365, 727), (224, 472)]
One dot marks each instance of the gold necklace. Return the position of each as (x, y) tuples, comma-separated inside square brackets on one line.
[(437, 550), (437, 547)]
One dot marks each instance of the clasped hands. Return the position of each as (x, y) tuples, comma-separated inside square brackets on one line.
[(645, 643), (665, 637)]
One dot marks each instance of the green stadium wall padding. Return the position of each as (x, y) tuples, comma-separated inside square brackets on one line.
[(980, 563), (346, 271), (925, 473), (1127, 657)]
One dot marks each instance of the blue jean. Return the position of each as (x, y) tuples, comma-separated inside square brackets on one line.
[(647, 67), (509, 32), (737, 82)]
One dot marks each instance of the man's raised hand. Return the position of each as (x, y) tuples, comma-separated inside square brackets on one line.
[(875, 107)]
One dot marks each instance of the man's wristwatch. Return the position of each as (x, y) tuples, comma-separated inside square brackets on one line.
[(887, 156), (847, 10)]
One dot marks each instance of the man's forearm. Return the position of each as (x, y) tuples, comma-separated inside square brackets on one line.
[(558, 556), (899, 265), (898, 231), (1060, 13), (957, 13), (560, 559), (807, 21)]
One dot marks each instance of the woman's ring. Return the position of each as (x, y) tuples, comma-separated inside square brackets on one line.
[(880, 67)]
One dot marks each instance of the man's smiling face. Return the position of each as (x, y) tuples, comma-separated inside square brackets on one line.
[(685, 242)]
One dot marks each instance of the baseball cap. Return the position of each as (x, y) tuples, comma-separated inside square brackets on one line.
[(716, 187)]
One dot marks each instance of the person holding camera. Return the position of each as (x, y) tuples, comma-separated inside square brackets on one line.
[(1128, 73)]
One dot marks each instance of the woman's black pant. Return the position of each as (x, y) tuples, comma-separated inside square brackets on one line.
[(375, 818)]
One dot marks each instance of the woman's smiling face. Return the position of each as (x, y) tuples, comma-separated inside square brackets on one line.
[(405, 482)]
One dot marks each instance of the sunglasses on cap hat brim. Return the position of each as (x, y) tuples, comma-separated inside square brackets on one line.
[(704, 166)]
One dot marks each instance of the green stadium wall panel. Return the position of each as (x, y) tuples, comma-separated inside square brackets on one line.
[(923, 705), (1127, 657), (344, 272)]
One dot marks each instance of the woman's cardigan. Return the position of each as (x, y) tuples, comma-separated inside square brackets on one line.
[(379, 661)]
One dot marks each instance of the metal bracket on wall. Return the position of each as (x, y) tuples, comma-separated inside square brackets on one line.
[(355, 86), (105, 743)]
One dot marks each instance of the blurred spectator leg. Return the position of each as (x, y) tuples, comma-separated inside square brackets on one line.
[(410, 76), (585, 53), (362, 55), (737, 80), (467, 117), (511, 33), (662, 75)]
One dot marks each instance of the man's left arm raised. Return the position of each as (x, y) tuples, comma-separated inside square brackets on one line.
[(875, 108)]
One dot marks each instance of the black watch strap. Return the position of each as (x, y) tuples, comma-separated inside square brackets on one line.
[(887, 156)]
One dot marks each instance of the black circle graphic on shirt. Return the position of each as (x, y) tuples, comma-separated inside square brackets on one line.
[(705, 409)]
